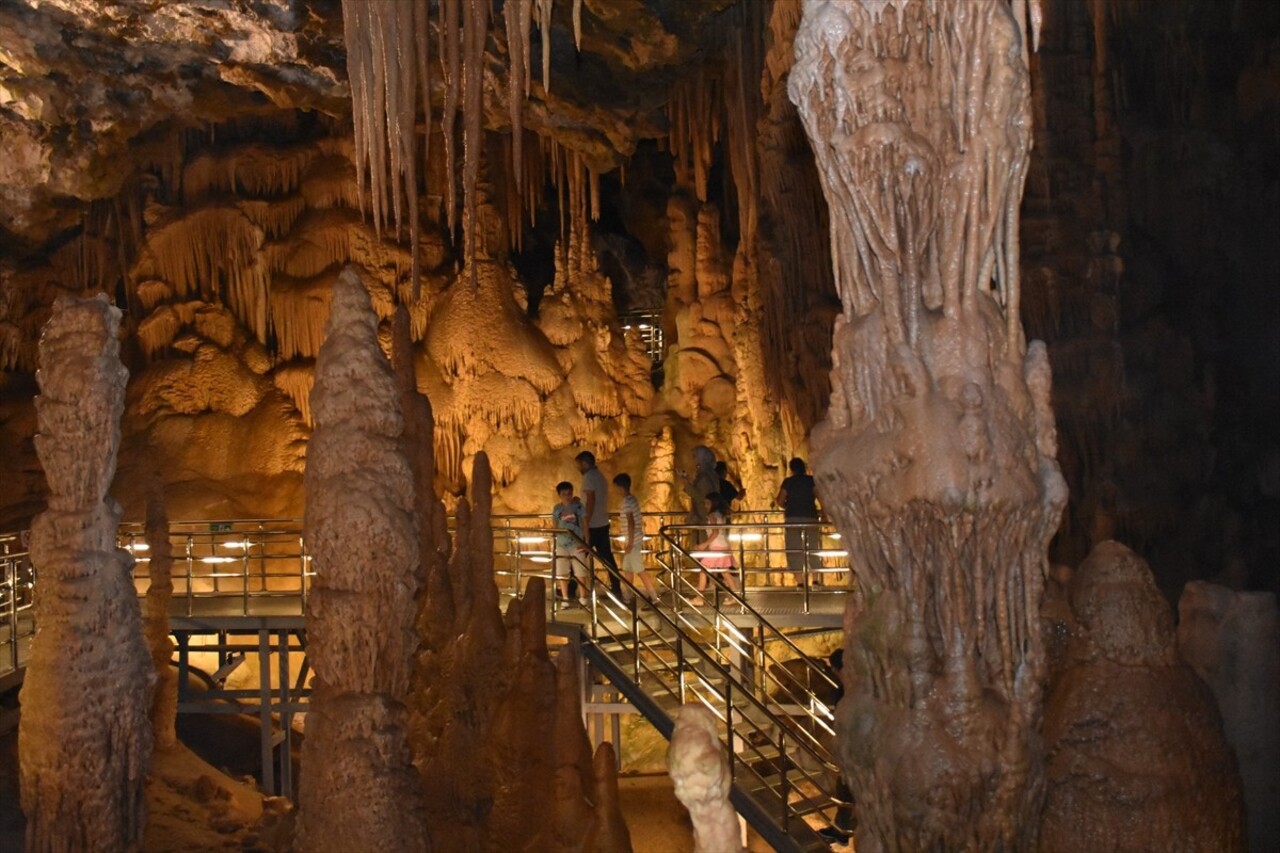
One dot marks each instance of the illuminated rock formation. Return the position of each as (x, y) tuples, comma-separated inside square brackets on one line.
[(84, 743), (1230, 639), (1136, 759), (497, 727), (937, 456), (699, 768), (164, 703), (359, 791)]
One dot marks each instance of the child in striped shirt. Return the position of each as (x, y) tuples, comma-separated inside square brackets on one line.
[(633, 539)]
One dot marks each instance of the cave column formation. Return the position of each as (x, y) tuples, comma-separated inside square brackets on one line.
[(937, 458), (360, 791), (164, 704), (84, 742)]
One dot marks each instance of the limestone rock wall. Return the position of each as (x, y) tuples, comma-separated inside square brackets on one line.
[(1232, 641), (84, 742), (359, 791), (1135, 755)]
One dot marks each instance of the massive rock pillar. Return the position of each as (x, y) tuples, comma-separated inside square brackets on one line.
[(937, 456), (359, 790), (84, 742)]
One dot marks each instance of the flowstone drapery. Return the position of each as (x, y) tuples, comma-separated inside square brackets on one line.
[(937, 458), (359, 791), (84, 744)]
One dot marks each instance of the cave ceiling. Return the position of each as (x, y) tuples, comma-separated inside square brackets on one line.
[(91, 89)]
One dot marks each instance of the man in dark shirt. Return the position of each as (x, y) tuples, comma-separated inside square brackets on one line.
[(800, 507), (727, 490)]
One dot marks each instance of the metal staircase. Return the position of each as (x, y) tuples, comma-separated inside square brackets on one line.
[(715, 649)]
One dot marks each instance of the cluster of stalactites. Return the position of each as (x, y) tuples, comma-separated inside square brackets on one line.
[(924, 243), (693, 115), (389, 61)]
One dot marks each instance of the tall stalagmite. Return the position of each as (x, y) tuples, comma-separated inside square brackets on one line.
[(360, 791), (164, 704), (84, 743), (937, 458)]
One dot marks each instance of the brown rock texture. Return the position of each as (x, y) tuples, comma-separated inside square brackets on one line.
[(84, 741), (497, 727), (1136, 758), (936, 459), (359, 791), (1232, 641)]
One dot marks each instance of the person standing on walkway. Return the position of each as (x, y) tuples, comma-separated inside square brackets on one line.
[(727, 488), (633, 541), (800, 507), (595, 497), (570, 557)]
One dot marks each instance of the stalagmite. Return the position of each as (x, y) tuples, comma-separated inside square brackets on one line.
[(1135, 755), (699, 768), (84, 744), (937, 458), (497, 726), (359, 791), (164, 703)]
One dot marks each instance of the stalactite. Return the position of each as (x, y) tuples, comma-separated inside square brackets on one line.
[(475, 31), (295, 381), (157, 330), (276, 217), (544, 27), (84, 741), (212, 252), (451, 55), (321, 239), (299, 312)]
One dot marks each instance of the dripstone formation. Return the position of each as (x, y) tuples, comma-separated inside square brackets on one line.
[(1136, 759), (359, 791), (936, 459), (85, 740)]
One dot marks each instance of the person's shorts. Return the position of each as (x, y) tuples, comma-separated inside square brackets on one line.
[(633, 561), (571, 561)]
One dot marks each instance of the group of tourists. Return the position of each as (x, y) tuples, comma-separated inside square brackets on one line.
[(571, 513), (585, 527)]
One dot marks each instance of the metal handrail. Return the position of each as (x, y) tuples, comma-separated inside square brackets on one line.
[(635, 635), (799, 692), (17, 586)]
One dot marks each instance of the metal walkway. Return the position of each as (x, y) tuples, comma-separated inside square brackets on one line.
[(240, 589)]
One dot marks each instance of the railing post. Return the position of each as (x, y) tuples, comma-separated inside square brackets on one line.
[(804, 544), (784, 795), (190, 573), (635, 638), (10, 582), (244, 573), (680, 665), (728, 725)]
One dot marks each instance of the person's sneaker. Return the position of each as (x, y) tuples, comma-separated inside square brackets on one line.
[(831, 835), (584, 604)]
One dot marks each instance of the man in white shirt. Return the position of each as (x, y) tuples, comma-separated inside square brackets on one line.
[(595, 499)]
